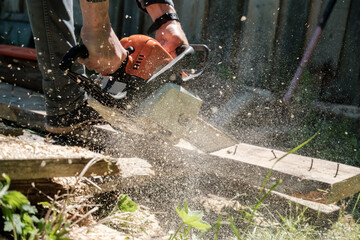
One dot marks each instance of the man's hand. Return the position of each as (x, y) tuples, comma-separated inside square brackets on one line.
[(170, 35), (105, 50)]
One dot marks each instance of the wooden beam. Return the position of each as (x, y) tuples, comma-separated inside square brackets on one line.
[(319, 180), (34, 159), (340, 110), (59, 167)]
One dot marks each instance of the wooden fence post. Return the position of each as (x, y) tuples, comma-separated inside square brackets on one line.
[(257, 42), (290, 37), (348, 75)]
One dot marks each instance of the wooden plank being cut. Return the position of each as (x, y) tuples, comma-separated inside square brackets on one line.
[(35, 158), (335, 181)]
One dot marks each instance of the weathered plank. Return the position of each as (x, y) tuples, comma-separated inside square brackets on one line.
[(345, 87), (339, 110), (257, 43), (329, 46), (336, 181), (176, 109), (220, 22), (34, 159), (289, 42)]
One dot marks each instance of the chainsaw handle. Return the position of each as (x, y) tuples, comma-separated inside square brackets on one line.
[(72, 55), (80, 51), (182, 61), (206, 51)]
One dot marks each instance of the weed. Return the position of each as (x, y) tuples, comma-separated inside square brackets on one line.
[(18, 214), (190, 219)]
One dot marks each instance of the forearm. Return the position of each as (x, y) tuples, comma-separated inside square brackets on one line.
[(105, 50), (95, 15)]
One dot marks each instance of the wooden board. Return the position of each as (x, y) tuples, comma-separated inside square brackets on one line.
[(347, 81), (191, 14), (332, 36), (334, 181), (257, 43), (31, 157), (289, 42)]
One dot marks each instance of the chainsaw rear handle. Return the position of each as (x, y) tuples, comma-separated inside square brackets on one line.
[(80, 51)]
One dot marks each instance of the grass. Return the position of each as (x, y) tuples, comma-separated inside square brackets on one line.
[(295, 225)]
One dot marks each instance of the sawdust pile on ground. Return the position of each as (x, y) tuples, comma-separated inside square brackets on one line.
[(30, 146)]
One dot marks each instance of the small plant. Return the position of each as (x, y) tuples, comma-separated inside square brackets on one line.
[(20, 217), (190, 219), (125, 204)]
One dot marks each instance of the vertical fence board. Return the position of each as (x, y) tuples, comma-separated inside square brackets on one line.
[(219, 31), (314, 15), (291, 30), (329, 47), (191, 14), (129, 19), (256, 45), (346, 87)]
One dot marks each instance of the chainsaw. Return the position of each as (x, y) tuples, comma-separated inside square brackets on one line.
[(146, 68)]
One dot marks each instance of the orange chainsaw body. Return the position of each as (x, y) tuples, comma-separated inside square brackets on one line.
[(148, 57)]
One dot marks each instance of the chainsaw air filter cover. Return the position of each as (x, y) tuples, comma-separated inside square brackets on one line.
[(148, 56)]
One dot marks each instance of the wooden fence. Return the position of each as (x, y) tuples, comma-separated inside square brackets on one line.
[(260, 42)]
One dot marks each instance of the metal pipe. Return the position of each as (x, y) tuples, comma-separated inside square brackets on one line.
[(309, 50)]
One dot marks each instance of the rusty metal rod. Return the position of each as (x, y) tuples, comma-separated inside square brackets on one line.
[(309, 50), (337, 170), (311, 166)]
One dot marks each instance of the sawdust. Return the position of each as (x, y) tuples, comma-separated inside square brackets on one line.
[(31, 146), (218, 204)]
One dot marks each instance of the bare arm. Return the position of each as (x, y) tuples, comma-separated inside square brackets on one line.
[(105, 50)]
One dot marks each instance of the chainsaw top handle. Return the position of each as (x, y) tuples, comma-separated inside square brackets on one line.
[(182, 62)]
